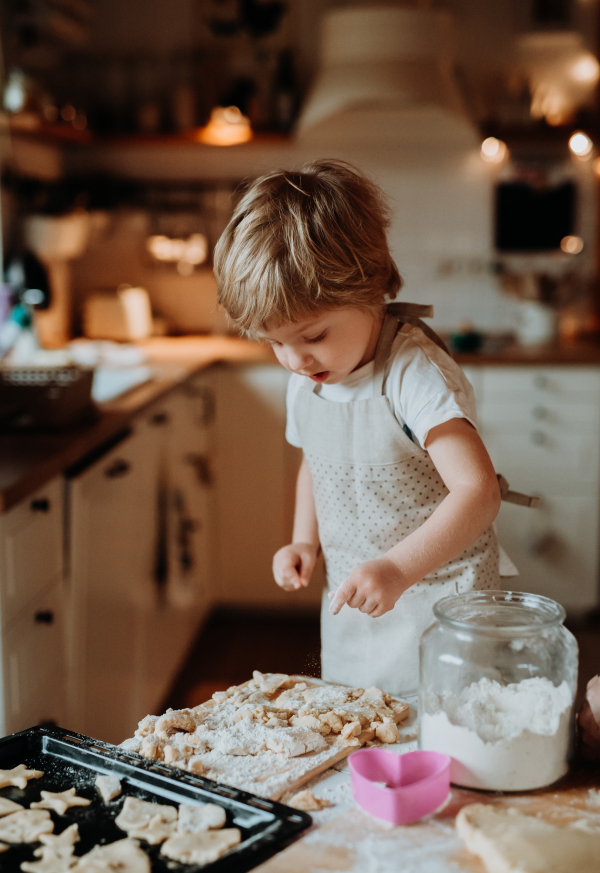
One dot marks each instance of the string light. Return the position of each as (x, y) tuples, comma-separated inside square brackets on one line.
[(493, 150), (572, 245), (580, 144)]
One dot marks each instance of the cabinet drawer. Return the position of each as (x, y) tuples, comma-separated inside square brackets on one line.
[(533, 457), (31, 548), (539, 384), (34, 657), (549, 413), (555, 548)]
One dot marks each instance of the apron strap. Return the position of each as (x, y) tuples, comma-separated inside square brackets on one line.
[(388, 331), (515, 496), (396, 314)]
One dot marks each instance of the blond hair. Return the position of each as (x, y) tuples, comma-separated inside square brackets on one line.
[(299, 242)]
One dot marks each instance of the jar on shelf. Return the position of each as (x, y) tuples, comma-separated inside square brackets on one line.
[(497, 689)]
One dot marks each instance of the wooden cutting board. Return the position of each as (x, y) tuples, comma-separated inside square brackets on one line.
[(295, 772), (355, 842)]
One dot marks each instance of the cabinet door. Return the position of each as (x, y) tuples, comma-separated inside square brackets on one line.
[(191, 494), (34, 665), (31, 549), (255, 473), (113, 508)]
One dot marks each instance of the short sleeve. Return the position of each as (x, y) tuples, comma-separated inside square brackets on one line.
[(292, 434), (426, 387)]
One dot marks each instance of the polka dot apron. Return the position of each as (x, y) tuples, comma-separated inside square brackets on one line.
[(373, 487)]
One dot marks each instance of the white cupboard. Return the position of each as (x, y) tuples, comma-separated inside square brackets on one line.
[(33, 679), (541, 426)]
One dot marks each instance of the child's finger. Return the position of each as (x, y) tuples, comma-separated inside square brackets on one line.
[(341, 596)]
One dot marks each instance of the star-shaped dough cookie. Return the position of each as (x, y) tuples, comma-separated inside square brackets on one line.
[(7, 807), (50, 863), (60, 801), (59, 842), (18, 776)]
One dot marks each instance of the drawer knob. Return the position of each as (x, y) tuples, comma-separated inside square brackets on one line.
[(540, 381), (40, 504), (159, 419), (118, 468), (538, 438), (45, 616)]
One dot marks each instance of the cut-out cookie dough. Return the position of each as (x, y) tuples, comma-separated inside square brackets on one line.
[(59, 842), (138, 814), (195, 819), (7, 807), (202, 848), (18, 776), (4, 847), (307, 801), (157, 830), (60, 801), (25, 826), (124, 856), (108, 787), (50, 862), (507, 840)]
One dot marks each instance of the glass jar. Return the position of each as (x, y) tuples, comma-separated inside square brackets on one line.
[(497, 688)]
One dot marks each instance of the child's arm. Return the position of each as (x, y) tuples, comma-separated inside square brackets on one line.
[(293, 564), (472, 504)]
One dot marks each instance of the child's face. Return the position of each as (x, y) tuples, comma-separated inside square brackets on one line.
[(328, 346)]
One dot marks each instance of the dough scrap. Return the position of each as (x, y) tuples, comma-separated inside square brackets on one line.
[(307, 801), (509, 842), (123, 856), (18, 776), (25, 826), (108, 786), (139, 813), (9, 806), (201, 848), (59, 801), (270, 682), (195, 819)]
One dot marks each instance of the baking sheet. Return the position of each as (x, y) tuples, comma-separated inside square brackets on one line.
[(68, 759)]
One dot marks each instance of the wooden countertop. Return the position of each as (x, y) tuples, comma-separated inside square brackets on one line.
[(345, 839), (28, 461), (553, 354)]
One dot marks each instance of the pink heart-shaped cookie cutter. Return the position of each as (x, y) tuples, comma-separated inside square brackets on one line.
[(414, 784)]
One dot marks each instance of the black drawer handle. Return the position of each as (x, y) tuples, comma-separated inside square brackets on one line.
[(117, 468), (159, 418), (41, 504), (46, 616)]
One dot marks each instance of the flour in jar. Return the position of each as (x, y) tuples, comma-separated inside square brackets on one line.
[(502, 737)]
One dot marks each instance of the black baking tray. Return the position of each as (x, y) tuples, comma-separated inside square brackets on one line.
[(68, 759)]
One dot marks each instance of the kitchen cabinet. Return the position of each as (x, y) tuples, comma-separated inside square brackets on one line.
[(541, 426), (140, 563), (256, 473), (33, 684)]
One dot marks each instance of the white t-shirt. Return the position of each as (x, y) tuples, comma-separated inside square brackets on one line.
[(424, 385)]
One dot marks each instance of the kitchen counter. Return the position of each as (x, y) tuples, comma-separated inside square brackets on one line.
[(28, 461), (347, 840)]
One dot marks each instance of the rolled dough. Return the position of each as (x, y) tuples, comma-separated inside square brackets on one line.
[(509, 842)]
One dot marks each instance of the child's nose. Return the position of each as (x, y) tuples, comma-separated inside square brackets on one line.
[(298, 359)]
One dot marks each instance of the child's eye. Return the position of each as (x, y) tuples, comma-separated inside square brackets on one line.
[(317, 339)]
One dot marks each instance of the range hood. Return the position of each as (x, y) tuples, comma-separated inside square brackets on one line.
[(386, 77)]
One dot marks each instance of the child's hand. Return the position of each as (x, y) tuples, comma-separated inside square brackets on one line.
[(373, 588), (293, 565)]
